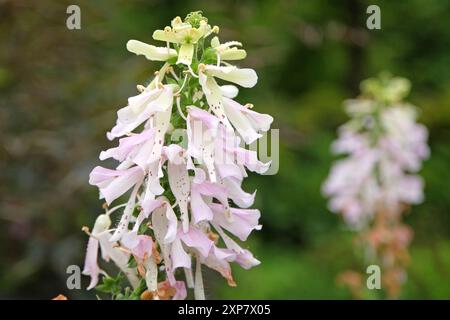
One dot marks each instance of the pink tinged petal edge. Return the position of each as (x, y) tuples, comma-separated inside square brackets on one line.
[(204, 117), (195, 238), (129, 120), (127, 145), (140, 245), (100, 174), (249, 158), (180, 288), (179, 256), (131, 116), (241, 223), (237, 194), (114, 183), (91, 267), (243, 256), (200, 211), (242, 124)]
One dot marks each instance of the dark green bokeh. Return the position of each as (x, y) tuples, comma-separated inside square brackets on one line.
[(60, 89)]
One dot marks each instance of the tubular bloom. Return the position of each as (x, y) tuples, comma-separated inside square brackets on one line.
[(377, 179), (185, 201)]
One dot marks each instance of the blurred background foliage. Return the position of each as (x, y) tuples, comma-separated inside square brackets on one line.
[(60, 89)]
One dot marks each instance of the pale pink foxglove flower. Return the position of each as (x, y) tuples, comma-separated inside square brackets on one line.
[(185, 196), (377, 179), (384, 148), (100, 239)]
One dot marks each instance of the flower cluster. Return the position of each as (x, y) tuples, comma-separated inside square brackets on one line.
[(377, 180), (182, 161), (385, 148)]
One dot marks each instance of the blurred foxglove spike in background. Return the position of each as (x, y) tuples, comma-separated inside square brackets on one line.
[(377, 180)]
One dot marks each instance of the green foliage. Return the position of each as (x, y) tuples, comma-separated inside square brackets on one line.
[(116, 289), (111, 285)]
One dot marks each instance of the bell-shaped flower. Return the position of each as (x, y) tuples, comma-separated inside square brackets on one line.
[(207, 253), (142, 248), (240, 222), (230, 156), (114, 183), (100, 237), (242, 256), (244, 77), (219, 260), (247, 122), (130, 146), (233, 187), (140, 108), (201, 195)]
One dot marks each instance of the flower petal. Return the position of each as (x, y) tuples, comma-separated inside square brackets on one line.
[(234, 190), (229, 91), (197, 239), (181, 293), (213, 96), (241, 223), (91, 267), (113, 187), (246, 77), (185, 54), (127, 146), (179, 180), (140, 108), (247, 122), (150, 52), (179, 256)]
